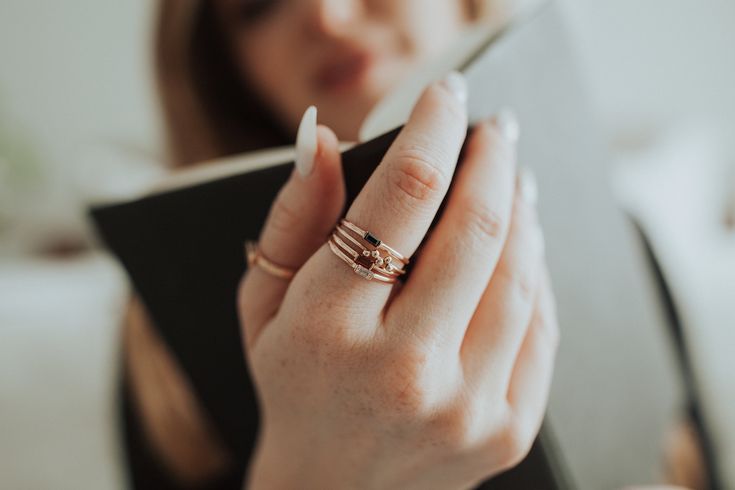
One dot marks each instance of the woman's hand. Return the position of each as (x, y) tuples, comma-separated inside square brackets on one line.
[(439, 383)]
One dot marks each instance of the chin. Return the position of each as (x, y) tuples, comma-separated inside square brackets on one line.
[(347, 129), (345, 118), (345, 110)]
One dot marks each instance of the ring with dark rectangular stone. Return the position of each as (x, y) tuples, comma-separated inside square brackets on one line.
[(371, 239), (363, 269), (370, 259), (375, 242)]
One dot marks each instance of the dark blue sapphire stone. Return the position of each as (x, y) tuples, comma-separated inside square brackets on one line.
[(371, 239)]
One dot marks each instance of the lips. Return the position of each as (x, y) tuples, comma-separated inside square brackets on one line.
[(344, 71)]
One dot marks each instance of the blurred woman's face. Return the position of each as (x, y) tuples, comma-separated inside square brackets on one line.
[(340, 55)]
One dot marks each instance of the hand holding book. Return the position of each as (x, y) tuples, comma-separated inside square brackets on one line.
[(182, 247), (454, 365)]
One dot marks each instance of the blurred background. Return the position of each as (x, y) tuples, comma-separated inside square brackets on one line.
[(79, 122)]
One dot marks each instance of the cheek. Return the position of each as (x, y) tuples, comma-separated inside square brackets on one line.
[(427, 26)]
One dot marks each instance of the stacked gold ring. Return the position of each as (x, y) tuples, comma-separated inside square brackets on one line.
[(367, 255)]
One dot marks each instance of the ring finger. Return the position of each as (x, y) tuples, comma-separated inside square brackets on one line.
[(300, 219)]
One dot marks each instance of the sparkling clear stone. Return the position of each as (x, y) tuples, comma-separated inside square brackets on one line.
[(363, 272)]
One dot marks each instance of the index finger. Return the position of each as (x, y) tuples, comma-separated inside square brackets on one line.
[(401, 198)]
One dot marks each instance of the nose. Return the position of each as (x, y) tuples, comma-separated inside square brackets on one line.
[(331, 17)]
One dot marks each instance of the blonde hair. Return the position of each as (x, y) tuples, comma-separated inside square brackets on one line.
[(208, 111)]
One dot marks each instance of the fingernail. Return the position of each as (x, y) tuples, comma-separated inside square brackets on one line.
[(306, 143), (456, 83), (508, 125), (527, 185)]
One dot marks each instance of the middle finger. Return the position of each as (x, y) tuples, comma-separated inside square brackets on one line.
[(401, 198), (461, 255)]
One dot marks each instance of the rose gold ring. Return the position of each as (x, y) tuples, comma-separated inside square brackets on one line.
[(383, 263), (373, 240), (360, 270), (256, 257), (370, 260)]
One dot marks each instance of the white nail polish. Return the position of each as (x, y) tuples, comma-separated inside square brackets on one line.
[(508, 125), (306, 142), (456, 83), (528, 186)]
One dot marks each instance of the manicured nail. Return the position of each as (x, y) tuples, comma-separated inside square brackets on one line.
[(306, 143), (508, 125), (527, 185), (456, 83)]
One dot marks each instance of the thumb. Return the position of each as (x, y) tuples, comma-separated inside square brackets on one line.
[(302, 216)]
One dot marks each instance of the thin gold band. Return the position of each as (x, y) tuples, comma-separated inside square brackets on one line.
[(365, 234), (256, 257)]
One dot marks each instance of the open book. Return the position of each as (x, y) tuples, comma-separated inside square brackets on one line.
[(614, 391)]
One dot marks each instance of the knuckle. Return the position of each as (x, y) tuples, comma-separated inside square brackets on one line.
[(525, 285), (481, 221), (410, 399), (417, 176), (315, 338), (513, 442), (455, 428), (404, 380), (520, 280)]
